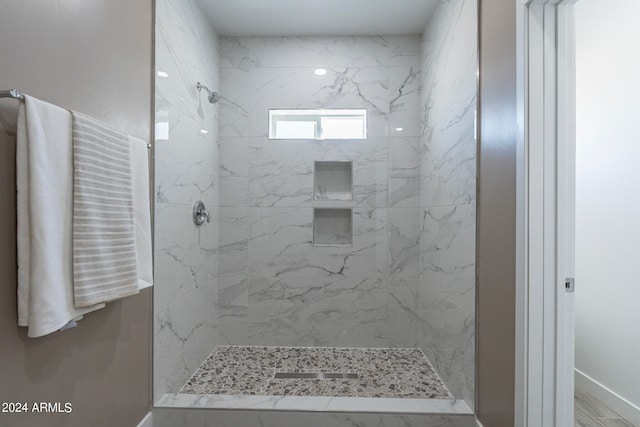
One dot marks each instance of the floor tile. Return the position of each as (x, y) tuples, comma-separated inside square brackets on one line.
[(582, 419), (613, 422), (592, 406)]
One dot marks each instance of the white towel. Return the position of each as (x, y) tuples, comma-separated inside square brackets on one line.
[(44, 205), (104, 250), (142, 211)]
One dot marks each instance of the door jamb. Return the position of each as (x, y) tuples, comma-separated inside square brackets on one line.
[(545, 204)]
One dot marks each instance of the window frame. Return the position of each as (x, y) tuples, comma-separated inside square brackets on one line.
[(306, 115)]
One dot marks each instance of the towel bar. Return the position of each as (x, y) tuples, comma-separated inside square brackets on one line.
[(16, 94), (11, 93)]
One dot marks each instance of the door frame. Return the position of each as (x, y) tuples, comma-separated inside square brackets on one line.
[(545, 213)]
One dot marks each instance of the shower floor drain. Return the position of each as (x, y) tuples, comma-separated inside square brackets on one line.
[(317, 375)]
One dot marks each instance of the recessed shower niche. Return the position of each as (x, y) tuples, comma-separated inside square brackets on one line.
[(332, 227), (332, 181)]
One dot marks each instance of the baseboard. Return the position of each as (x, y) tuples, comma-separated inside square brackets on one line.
[(610, 398), (147, 421)]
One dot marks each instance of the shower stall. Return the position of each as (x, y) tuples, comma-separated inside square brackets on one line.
[(319, 273)]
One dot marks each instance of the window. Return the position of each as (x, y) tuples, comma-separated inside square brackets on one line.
[(318, 124)]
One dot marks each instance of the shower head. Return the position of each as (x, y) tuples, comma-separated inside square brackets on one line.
[(213, 97)]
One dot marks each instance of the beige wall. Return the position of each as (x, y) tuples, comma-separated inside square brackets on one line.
[(496, 214), (94, 57)]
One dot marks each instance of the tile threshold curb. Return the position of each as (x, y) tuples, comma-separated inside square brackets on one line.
[(360, 405)]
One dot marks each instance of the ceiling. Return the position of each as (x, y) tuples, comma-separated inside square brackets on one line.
[(317, 17)]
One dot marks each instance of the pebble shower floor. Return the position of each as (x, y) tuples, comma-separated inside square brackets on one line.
[(389, 373)]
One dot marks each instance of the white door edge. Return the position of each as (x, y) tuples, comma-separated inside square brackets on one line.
[(545, 209)]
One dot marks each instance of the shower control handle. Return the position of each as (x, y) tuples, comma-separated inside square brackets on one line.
[(200, 213)]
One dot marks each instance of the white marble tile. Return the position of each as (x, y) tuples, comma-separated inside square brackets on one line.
[(184, 335), (186, 50), (368, 257), (295, 161), (325, 406), (185, 53), (405, 51), (448, 245), (448, 178), (360, 51), (172, 91), (233, 310), (280, 244), (234, 295), (208, 238), (234, 191), (178, 417), (278, 72), (404, 156), (371, 173), (404, 243), (185, 255), (280, 173), (449, 164), (403, 308), (448, 339), (233, 156), (193, 327), (186, 164), (404, 171), (175, 248), (234, 234), (447, 296), (404, 192), (235, 104), (339, 88), (170, 417), (183, 96), (186, 170), (449, 102), (174, 366), (302, 51), (279, 238), (276, 419), (374, 51), (233, 330), (404, 101), (321, 51), (317, 312), (236, 52)]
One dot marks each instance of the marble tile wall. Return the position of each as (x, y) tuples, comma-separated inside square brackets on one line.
[(447, 195), (186, 170), (408, 279), (276, 288)]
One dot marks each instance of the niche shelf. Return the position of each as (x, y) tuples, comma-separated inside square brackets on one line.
[(332, 227), (332, 180)]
